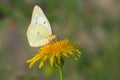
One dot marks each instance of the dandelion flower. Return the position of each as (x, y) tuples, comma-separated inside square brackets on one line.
[(54, 52)]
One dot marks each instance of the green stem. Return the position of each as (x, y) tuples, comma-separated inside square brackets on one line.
[(60, 72)]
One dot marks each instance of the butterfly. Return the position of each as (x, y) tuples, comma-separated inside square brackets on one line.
[(39, 32)]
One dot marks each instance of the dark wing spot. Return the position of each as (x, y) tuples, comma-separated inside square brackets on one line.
[(44, 22), (35, 21), (38, 33)]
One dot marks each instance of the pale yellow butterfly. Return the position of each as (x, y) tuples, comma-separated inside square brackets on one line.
[(39, 32)]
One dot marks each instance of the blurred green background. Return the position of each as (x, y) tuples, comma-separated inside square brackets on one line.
[(95, 23)]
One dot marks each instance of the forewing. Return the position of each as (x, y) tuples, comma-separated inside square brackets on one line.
[(38, 17)]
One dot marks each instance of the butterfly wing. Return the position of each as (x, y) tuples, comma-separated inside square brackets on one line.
[(38, 17), (39, 31), (37, 35)]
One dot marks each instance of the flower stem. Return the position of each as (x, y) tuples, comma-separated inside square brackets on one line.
[(60, 72)]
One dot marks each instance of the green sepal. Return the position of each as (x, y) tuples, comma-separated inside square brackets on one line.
[(59, 62)]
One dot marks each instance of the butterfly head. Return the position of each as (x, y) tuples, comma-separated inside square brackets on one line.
[(51, 37)]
